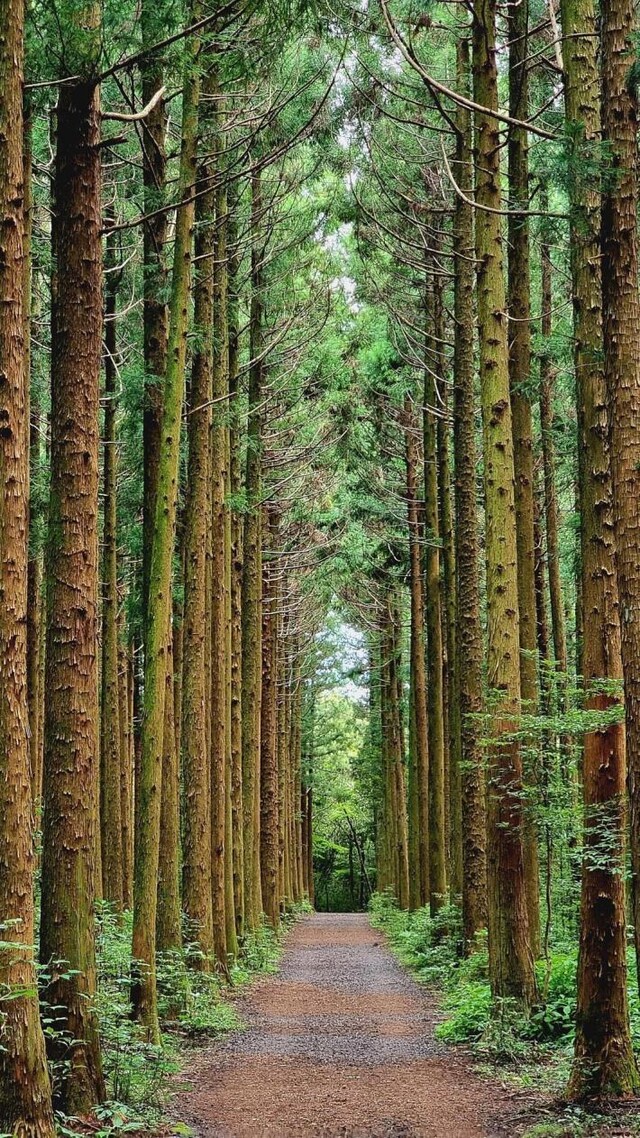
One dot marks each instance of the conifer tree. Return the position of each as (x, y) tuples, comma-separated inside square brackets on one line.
[(25, 1092), (511, 958)]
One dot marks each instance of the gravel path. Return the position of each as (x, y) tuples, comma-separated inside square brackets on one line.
[(340, 1043)]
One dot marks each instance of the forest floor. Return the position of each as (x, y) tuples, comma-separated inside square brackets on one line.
[(340, 1044)]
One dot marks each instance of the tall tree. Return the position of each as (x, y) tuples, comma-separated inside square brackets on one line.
[(511, 958), (604, 1060), (519, 305), (433, 605), (547, 379), (110, 790), (197, 895), (25, 1092), (218, 582), (252, 576), (468, 628), (235, 585), (153, 128), (419, 734), (269, 856), (71, 668), (621, 328), (149, 788)]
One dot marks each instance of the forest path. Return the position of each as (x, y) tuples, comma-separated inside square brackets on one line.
[(339, 1043)]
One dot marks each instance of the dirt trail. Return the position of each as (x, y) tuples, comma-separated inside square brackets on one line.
[(340, 1043)]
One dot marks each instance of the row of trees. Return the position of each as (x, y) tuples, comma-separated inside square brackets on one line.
[(160, 296), (292, 323), (504, 201)]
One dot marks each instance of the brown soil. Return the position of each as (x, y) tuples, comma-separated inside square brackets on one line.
[(340, 1043)]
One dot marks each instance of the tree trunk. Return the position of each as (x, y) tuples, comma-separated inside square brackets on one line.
[(519, 304), (34, 426), (197, 894), (310, 876), (71, 669), (252, 582), (547, 378), (604, 1061), (449, 613), (25, 1092), (395, 831), (435, 685), (110, 792), (126, 776), (168, 919), (269, 722), (144, 996), (221, 346), (218, 478), (155, 311), (511, 959), (419, 758), (468, 628), (235, 487)]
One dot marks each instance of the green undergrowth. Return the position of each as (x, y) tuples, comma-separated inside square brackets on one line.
[(195, 1007), (534, 1053)]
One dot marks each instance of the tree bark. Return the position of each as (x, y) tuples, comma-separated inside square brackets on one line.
[(510, 956), (149, 789), (126, 774), (519, 304), (419, 748), (110, 792), (604, 1062), (468, 628), (235, 487), (155, 309), (25, 1092), (269, 722), (71, 669), (251, 581), (449, 613), (547, 378), (168, 919), (197, 892), (435, 684), (34, 426), (218, 599)]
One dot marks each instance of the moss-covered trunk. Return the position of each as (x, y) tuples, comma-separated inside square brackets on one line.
[(511, 958), (603, 1055), (197, 897), (149, 787)]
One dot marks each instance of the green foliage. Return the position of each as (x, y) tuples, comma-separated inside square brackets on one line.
[(334, 726), (135, 1071), (537, 1048), (428, 946), (495, 1029), (193, 1004)]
